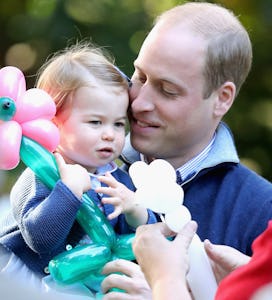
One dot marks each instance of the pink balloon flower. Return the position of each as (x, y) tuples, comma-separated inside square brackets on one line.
[(23, 113)]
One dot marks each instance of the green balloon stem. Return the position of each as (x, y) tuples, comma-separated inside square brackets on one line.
[(123, 247), (76, 264), (94, 222)]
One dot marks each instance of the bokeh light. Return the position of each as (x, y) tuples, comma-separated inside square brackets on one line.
[(21, 55)]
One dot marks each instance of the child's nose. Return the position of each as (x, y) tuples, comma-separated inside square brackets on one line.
[(108, 134)]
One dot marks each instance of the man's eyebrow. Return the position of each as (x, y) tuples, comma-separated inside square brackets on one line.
[(159, 77)]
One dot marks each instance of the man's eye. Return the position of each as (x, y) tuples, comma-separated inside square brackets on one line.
[(142, 79), (138, 78), (169, 92)]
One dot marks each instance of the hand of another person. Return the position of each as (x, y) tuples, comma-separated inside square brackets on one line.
[(159, 258), (224, 259), (131, 280), (75, 177)]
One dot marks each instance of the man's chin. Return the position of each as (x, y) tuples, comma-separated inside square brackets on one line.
[(142, 145)]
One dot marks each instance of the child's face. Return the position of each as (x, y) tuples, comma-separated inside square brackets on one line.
[(93, 134)]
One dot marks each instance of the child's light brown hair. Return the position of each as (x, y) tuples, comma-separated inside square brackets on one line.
[(71, 68)]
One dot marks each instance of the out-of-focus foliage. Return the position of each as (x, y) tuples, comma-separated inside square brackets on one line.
[(31, 30)]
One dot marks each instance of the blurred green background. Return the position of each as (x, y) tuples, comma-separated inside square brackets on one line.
[(31, 30)]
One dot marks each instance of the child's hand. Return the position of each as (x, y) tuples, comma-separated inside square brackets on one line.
[(75, 177), (120, 196)]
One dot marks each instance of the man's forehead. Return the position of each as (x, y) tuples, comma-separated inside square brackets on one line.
[(175, 44)]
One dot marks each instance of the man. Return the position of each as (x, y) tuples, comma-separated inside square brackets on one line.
[(188, 72)]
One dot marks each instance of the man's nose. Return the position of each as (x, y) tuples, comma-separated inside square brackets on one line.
[(141, 99)]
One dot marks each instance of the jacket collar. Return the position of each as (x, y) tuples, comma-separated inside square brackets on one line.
[(223, 150)]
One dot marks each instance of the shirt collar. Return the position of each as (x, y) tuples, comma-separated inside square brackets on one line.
[(110, 167), (189, 168), (100, 171), (192, 165)]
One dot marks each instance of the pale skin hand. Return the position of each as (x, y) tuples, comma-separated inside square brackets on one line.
[(123, 201), (165, 270), (75, 177), (132, 281), (224, 259)]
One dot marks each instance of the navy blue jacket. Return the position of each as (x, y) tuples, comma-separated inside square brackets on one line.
[(231, 204)]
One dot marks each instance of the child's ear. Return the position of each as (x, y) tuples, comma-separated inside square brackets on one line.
[(55, 121), (226, 96)]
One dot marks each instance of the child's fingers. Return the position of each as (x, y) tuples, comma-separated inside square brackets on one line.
[(59, 160), (109, 180), (105, 180), (111, 200), (105, 190), (115, 213)]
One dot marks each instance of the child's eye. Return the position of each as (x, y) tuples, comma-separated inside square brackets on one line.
[(95, 122), (120, 124)]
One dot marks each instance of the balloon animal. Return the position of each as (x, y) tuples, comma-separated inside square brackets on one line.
[(27, 133)]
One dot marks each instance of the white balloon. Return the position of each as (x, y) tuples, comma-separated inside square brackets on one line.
[(200, 276), (177, 218), (159, 199), (158, 172), (158, 191), (139, 173), (163, 170)]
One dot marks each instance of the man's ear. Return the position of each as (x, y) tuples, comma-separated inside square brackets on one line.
[(225, 97)]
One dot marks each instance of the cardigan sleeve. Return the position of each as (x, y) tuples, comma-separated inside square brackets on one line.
[(44, 217)]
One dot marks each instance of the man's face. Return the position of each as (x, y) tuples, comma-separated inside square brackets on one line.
[(169, 117)]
